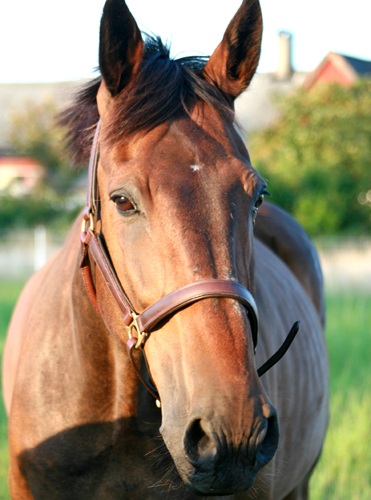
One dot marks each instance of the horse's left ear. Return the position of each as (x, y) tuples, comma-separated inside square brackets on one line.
[(120, 46), (234, 61)]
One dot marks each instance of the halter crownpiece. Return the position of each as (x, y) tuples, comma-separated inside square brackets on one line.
[(140, 325)]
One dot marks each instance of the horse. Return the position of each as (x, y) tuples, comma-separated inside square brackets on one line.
[(162, 276)]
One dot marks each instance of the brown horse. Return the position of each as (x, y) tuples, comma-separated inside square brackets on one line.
[(174, 206)]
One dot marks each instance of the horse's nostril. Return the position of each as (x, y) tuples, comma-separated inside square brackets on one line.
[(268, 446), (198, 445)]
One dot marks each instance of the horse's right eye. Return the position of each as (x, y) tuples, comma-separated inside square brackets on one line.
[(123, 204)]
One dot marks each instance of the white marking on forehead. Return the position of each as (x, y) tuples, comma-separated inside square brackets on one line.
[(195, 168)]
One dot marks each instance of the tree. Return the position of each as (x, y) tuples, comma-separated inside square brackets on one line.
[(34, 133), (317, 158)]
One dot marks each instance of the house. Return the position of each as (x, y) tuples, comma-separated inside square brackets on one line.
[(338, 68), (255, 108), (19, 175)]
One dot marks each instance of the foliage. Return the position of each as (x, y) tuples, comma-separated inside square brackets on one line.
[(34, 132), (317, 158), (29, 211)]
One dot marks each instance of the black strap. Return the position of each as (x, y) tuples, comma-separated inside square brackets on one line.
[(281, 351)]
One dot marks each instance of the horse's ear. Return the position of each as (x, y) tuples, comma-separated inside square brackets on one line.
[(120, 46), (234, 61)]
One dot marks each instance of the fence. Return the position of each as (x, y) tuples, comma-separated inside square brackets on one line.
[(345, 262), (22, 253)]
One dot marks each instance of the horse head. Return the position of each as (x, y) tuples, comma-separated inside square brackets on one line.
[(177, 201)]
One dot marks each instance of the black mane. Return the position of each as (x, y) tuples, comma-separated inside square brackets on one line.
[(162, 89)]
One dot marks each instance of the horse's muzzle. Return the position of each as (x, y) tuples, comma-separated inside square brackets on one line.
[(218, 464)]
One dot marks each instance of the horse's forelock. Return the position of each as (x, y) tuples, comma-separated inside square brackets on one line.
[(162, 89), (80, 120)]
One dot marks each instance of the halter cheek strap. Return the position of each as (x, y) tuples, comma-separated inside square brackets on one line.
[(140, 325)]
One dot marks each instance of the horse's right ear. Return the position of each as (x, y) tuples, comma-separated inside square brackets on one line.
[(234, 62), (120, 46)]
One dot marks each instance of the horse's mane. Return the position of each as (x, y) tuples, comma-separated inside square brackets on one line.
[(162, 89)]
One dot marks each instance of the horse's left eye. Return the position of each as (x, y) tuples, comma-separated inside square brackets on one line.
[(123, 204), (258, 202)]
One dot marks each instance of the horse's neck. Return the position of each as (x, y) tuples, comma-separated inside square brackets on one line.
[(100, 361)]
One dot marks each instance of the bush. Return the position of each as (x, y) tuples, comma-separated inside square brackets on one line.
[(317, 159), (34, 132), (30, 211)]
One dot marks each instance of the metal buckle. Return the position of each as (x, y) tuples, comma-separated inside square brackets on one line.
[(84, 223), (141, 335)]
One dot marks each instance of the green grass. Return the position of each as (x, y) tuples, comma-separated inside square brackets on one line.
[(9, 291), (344, 471)]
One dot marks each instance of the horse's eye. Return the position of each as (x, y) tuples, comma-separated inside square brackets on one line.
[(259, 201), (123, 204)]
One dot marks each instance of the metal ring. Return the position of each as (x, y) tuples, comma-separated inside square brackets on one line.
[(141, 335)]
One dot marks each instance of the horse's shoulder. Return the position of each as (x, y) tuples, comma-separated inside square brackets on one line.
[(297, 380), (33, 310), (288, 240), (281, 301), (275, 280)]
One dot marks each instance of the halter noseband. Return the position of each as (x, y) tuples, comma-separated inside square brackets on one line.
[(144, 322)]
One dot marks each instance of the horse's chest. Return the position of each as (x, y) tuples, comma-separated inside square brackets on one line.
[(97, 461)]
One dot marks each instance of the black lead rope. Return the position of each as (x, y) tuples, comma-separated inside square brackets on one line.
[(281, 351)]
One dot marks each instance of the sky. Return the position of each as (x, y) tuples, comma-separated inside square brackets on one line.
[(46, 41)]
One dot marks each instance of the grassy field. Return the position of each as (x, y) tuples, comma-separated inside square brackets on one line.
[(9, 291), (344, 471)]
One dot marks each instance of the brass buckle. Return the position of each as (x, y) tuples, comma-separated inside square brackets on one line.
[(84, 223), (141, 335)]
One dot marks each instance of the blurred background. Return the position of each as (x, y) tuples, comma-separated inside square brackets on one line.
[(306, 120)]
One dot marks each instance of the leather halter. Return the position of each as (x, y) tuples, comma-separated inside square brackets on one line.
[(145, 321)]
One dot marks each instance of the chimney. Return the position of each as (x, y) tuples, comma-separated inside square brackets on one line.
[(284, 70)]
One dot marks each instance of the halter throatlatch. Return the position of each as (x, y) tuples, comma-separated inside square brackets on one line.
[(140, 325)]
